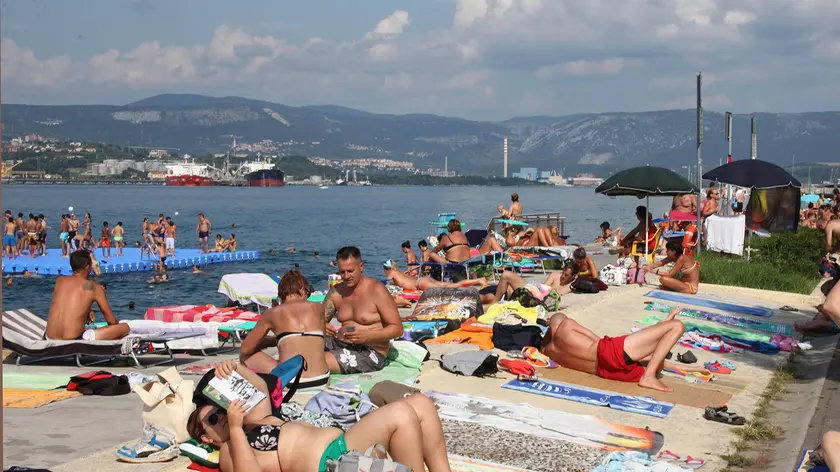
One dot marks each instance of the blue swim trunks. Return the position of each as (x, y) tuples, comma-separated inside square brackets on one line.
[(9, 240)]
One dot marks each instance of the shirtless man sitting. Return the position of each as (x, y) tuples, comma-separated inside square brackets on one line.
[(298, 326), (406, 282), (72, 299), (368, 316), (560, 281), (575, 347)]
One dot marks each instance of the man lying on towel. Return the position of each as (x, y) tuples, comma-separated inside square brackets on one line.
[(406, 282), (298, 326), (368, 315), (575, 347), (72, 299)]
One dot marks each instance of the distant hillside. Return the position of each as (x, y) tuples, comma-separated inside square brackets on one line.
[(598, 143)]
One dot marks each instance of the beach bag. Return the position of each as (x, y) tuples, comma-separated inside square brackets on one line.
[(474, 363), (375, 459), (168, 403), (637, 275), (346, 403), (531, 296), (515, 337), (614, 275), (586, 285), (100, 382)]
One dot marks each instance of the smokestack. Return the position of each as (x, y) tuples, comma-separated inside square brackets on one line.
[(753, 144), (728, 133), (445, 166), (506, 156)]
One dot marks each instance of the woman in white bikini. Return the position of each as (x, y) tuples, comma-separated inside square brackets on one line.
[(684, 265)]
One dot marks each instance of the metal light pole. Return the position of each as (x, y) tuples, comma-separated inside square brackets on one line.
[(728, 136), (699, 158)]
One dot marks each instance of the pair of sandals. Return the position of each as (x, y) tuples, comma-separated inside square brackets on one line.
[(719, 367), (722, 414), (686, 462)]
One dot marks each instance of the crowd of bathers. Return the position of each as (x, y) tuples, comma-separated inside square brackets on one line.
[(818, 214)]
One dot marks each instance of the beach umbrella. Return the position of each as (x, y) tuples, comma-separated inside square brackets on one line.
[(644, 182), (810, 198), (753, 173)]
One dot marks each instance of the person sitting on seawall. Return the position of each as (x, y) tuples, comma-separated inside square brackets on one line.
[(368, 316), (637, 233), (455, 245), (516, 208), (406, 282), (585, 265), (410, 429), (299, 328), (560, 281), (684, 265), (71, 304), (575, 347)]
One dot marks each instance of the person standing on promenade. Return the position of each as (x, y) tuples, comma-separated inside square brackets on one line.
[(203, 229)]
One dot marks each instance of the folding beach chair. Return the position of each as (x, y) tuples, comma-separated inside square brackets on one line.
[(24, 334)]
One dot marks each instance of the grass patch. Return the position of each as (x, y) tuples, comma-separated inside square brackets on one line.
[(758, 428), (738, 460), (784, 262)]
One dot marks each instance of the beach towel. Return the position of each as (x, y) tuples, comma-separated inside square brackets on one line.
[(470, 332), (727, 332), (33, 380), (203, 313), (683, 394), (16, 398), (513, 309), (710, 302), (739, 321), (725, 234), (440, 303), (523, 418), (632, 461), (403, 365), (590, 396)]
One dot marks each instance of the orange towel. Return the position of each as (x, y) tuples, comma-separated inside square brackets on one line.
[(470, 332), (13, 398)]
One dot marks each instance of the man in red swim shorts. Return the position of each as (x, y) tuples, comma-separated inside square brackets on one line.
[(575, 347)]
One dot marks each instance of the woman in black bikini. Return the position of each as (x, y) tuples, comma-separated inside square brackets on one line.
[(455, 245), (255, 441)]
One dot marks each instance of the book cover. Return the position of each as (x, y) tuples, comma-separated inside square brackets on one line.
[(224, 391)]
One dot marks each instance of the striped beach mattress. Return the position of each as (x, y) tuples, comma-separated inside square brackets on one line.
[(193, 313)]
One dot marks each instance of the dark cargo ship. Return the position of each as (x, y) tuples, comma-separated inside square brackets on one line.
[(266, 178)]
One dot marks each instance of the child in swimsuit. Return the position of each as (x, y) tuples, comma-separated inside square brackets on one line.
[(684, 265)]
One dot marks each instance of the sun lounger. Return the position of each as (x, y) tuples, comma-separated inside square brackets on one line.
[(24, 334)]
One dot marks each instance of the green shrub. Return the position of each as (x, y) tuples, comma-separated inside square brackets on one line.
[(784, 262)]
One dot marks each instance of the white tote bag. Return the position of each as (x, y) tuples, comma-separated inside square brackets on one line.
[(167, 403)]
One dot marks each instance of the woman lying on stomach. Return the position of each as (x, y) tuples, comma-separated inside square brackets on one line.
[(255, 441)]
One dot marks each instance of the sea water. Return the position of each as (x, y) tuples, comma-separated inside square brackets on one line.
[(375, 219)]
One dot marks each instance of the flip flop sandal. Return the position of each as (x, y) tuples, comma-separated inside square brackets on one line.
[(722, 416), (538, 359), (693, 462), (669, 456), (788, 308), (728, 364), (716, 367)]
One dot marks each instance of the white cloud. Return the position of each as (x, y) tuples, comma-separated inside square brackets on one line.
[(394, 24), (645, 52)]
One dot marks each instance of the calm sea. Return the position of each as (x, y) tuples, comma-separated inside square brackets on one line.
[(376, 219)]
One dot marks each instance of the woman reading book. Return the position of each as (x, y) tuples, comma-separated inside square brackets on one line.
[(255, 441)]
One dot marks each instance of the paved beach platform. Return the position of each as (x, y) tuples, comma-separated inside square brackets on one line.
[(132, 261)]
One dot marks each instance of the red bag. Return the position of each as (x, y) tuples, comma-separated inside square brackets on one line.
[(517, 366)]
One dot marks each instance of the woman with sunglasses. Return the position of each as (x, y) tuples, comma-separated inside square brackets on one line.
[(255, 441)]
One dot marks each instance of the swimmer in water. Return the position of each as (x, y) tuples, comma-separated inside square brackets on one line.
[(196, 269)]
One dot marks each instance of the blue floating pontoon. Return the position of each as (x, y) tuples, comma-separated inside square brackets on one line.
[(132, 261)]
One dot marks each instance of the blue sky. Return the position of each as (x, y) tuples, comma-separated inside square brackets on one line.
[(479, 59)]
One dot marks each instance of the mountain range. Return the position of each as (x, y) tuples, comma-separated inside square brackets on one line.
[(599, 143)]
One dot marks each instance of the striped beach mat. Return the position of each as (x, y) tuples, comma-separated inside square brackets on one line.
[(739, 321), (711, 302)]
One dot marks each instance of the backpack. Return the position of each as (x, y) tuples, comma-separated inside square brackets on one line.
[(475, 363), (99, 382), (526, 298), (516, 337), (586, 285)]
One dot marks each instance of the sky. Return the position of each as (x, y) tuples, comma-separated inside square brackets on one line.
[(477, 59)]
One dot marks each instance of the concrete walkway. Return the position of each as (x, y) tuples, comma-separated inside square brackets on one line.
[(83, 433)]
